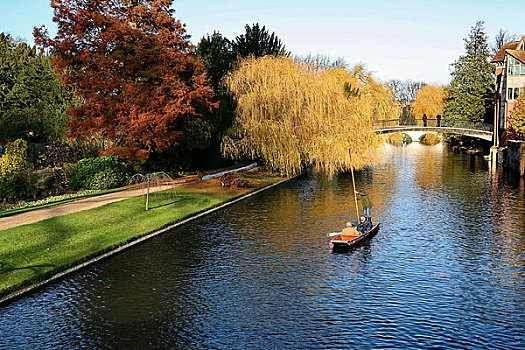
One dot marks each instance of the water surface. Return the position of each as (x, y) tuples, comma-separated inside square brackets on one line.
[(447, 270)]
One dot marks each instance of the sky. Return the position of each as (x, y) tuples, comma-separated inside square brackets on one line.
[(412, 39)]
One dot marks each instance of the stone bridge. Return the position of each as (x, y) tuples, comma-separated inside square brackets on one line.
[(416, 128)]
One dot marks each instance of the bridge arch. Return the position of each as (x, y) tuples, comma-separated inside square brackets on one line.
[(417, 127), (416, 136)]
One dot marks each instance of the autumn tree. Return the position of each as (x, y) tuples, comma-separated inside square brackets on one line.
[(471, 92), (430, 100), (516, 129), (293, 113), (132, 67)]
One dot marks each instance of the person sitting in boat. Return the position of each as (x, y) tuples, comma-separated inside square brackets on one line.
[(349, 232), (364, 226), (367, 204)]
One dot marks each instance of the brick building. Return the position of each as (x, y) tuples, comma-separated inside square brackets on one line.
[(510, 81)]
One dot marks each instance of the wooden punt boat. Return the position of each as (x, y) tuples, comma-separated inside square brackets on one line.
[(342, 243)]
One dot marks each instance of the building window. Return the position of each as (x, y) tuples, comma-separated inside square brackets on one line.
[(515, 67), (513, 93)]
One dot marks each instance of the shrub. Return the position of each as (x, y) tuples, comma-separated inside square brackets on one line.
[(46, 182), (59, 154), (233, 180), (99, 173), (16, 180), (50, 181), (15, 159), (20, 185), (105, 180)]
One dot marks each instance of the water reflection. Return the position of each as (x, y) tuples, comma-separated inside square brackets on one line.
[(447, 270)]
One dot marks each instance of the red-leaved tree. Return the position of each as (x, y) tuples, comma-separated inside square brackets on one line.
[(131, 65)]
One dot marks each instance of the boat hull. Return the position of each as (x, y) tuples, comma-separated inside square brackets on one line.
[(339, 245)]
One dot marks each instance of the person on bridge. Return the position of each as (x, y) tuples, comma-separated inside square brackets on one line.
[(438, 118), (367, 204), (424, 120)]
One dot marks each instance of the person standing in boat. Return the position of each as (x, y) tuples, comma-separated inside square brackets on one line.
[(367, 204)]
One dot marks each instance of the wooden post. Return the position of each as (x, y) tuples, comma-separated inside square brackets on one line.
[(147, 196), (495, 136)]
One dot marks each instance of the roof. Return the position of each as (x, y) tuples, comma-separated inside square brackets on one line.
[(500, 56), (517, 54)]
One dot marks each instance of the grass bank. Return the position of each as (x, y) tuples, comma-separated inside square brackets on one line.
[(32, 253)]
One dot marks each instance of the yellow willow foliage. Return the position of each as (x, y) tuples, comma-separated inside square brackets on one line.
[(294, 114), (430, 100), (517, 120)]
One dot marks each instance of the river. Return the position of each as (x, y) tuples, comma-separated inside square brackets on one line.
[(446, 270)]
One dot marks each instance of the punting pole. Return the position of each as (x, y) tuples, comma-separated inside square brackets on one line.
[(353, 184)]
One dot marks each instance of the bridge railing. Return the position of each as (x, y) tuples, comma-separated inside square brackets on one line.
[(434, 123)]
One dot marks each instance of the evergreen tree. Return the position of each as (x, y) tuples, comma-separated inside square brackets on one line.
[(471, 92), (217, 56), (219, 53), (258, 42), (32, 100), (7, 65)]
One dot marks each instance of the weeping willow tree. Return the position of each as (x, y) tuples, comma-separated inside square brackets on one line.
[(295, 113), (430, 100)]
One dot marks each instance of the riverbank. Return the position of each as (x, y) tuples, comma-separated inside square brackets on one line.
[(32, 215), (35, 252)]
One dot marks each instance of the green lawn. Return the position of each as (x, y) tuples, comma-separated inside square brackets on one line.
[(31, 253)]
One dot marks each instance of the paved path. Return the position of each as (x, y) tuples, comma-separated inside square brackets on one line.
[(71, 207), (92, 202)]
